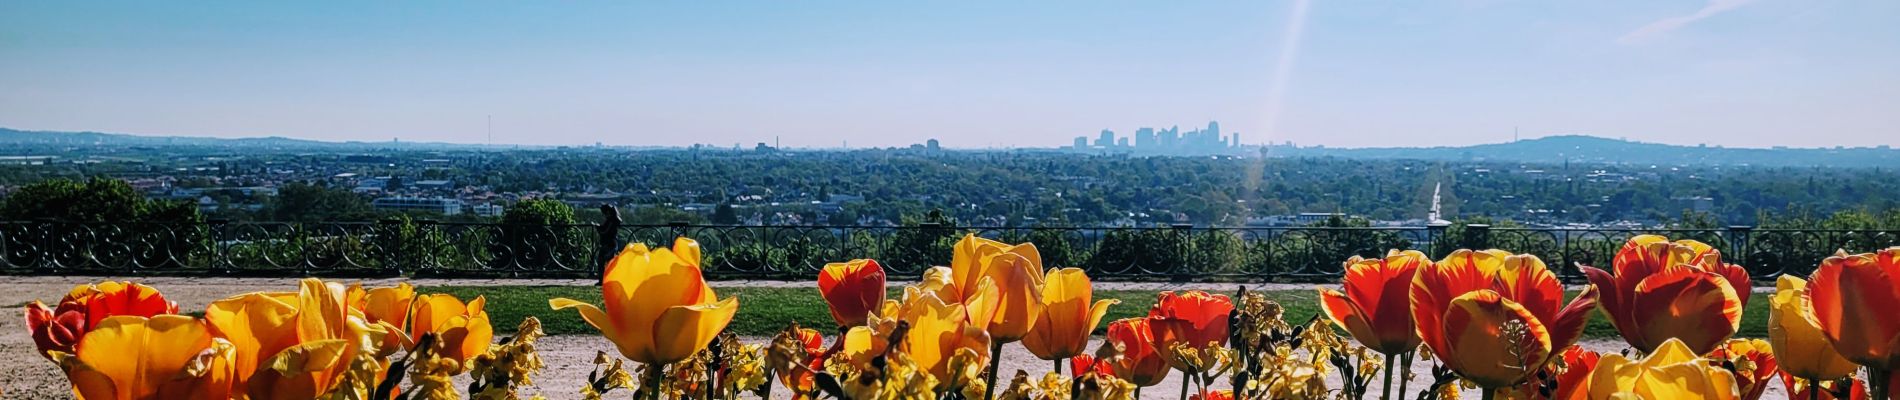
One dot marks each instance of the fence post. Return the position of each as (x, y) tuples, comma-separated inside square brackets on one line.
[(1478, 236), (1737, 237), (48, 260), (220, 255), (427, 232), (1433, 232)]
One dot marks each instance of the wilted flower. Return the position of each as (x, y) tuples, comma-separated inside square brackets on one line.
[(1752, 362)]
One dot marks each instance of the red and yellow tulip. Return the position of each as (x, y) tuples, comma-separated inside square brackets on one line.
[(1068, 315), (1800, 388), (1573, 381), (659, 309), (1662, 290), (1855, 298), (1495, 317), (1374, 308), (1135, 360), (799, 370), (853, 290), (1673, 371), (1193, 318), (162, 357), (59, 328)]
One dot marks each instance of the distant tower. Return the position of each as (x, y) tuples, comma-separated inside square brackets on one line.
[(1434, 218)]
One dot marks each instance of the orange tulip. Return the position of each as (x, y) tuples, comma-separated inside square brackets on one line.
[(57, 329), (1374, 308), (162, 357), (659, 309), (292, 345), (1664, 289), (937, 331), (1573, 383), (462, 331), (1495, 317), (1016, 272), (1855, 298), (1193, 318), (1068, 318), (1136, 360), (853, 290), (1084, 364)]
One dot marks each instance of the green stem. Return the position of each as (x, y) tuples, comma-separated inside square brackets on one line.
[(1489, 393), (1405, 370), (1137, 392), (1386, 394), (1058, 366), (996, 358), (1814, 391)]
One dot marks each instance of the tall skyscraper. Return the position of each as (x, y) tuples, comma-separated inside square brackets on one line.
[(1106, 140), (1145, 138)]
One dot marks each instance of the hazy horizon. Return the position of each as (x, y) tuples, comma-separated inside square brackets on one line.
[(985, 74)]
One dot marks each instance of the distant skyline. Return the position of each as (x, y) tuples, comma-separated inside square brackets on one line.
[(977, 74)]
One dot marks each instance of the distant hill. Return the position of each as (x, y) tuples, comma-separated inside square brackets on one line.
[(1591, 149), (14, 137)]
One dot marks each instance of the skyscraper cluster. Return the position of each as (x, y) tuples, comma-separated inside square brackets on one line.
[(1170, 141)]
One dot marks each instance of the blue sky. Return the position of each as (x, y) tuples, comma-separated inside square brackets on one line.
[(972, 74)]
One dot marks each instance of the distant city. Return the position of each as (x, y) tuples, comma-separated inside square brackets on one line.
[(1170, 141)]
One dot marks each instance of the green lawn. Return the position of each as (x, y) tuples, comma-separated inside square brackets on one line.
[(763, 311)]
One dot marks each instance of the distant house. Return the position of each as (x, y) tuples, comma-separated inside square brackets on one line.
[(488, 209), (444, 206), (434, 184)]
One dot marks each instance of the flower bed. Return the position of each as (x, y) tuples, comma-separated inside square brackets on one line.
[(1491, 320)]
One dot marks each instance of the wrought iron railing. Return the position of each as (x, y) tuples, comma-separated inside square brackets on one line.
[(1181, 253)]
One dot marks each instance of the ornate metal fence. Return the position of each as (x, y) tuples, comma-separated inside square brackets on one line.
[(1182, 253)]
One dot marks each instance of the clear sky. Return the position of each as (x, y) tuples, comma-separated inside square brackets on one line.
[(970, 73)]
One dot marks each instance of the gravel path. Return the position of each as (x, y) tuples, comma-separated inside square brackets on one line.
[(29, 376)]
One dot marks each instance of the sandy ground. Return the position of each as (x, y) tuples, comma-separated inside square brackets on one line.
[(25, 375)]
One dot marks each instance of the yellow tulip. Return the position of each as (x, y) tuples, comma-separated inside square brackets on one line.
[(462, 330), (1800, 347), (1019, 281), (389, 304), (162, 357), (659, 309), (937, 330), (291, 345), (1672, 372), (1067, 315)]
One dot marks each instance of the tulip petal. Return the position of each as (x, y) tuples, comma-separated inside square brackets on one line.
[(687, 250), (131, 357), (1346, 314), (1800, 347), (1433, 288), (258, 325), (1682, 302), (594, 316), (683, 330), (1854, 299), (1524, 279), (984, 301), (1567, 328), (1482, 350)]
